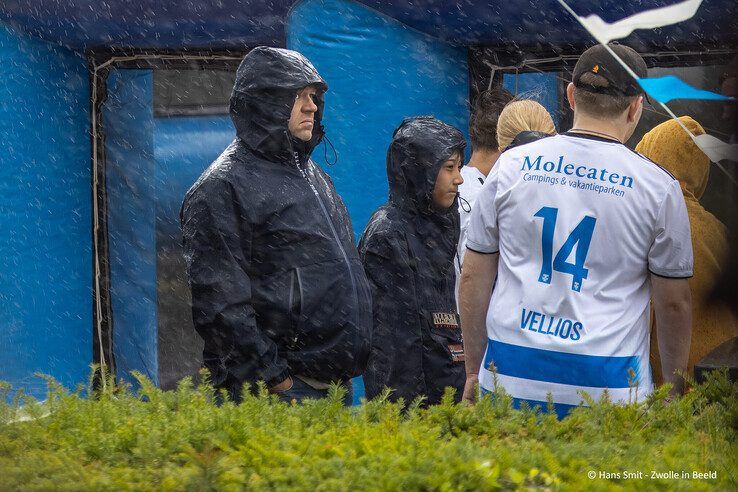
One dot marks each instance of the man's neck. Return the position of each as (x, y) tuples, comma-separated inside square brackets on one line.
[(484, 159), (617, 130)]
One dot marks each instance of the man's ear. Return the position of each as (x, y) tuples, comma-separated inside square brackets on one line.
[(634, 109), (570, 95)]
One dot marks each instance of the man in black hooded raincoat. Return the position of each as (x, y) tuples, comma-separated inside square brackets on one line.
[(278, 291), (408, 251)]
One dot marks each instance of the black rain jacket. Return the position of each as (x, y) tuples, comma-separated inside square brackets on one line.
[(277, 284), (408, 251)]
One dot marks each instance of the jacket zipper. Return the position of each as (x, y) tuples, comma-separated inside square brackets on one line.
[(335, 236), (293, 323)]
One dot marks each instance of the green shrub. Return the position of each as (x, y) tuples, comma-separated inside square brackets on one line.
[(181, 440)]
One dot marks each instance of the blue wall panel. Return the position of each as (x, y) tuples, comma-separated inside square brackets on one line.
[(45, 214), (378, 72), (128, 123)]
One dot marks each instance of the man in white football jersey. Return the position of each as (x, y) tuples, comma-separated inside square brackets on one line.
[(485, 151), (580, 232)]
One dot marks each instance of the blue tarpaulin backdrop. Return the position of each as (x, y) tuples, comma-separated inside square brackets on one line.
[(45, 214), (128, 119)]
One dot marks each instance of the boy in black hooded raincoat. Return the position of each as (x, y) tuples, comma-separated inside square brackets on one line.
[(408, 251)]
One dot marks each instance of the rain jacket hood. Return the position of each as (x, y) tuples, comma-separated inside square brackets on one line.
[(669, 146), (419, 147), (267, 82)]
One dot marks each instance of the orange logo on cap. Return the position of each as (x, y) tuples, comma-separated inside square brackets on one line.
[(596, 68)]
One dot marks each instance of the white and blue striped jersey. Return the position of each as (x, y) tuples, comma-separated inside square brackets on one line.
[(579, 222)]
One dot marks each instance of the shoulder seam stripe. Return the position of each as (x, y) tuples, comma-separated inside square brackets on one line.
[(482, 252), (652, 162), (667, 276)]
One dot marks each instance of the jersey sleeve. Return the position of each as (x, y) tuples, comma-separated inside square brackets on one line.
[(465, 208), (464, 215), (482, 233), (671, 251)]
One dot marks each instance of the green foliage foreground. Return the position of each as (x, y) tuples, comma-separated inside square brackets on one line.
[(181, 440)]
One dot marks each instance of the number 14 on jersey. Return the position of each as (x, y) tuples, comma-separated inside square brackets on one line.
[(579, 238)]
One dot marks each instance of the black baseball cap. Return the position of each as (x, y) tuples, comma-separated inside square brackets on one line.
[(617, 81)]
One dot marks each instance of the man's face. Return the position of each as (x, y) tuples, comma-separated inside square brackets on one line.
[(302, 117), (447, 182)]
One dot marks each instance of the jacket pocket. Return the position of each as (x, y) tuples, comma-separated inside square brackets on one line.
[(446, 331), (333, 330), (295, 309)]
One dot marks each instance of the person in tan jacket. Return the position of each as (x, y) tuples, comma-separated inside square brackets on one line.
[(669, 146)]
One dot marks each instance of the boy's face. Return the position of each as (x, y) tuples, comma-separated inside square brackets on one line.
[(447, 182)]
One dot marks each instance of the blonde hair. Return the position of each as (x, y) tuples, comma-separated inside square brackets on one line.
[(521, 116)]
